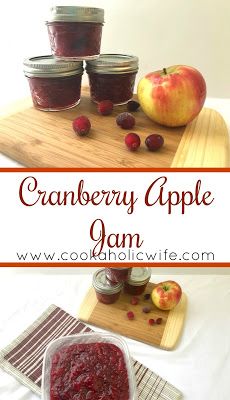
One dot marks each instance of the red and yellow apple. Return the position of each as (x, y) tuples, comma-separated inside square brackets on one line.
[(173, 96), (166, 295)]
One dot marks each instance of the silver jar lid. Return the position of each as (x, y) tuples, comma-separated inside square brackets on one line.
[(113, 64), (48, 67), (139, 276), (102, 285), (76, 14)]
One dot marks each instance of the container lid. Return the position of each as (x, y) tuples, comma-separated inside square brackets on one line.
[(139, 276), (76, 14), (113, 63), (48, 66), (102, 285)]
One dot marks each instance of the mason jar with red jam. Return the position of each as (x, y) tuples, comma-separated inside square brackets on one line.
[(54, 85), (112, 77), (75, 32), (107, 292), (117, 275), (138, 280)]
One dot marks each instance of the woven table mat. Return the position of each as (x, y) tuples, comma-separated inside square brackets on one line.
[(24, 356)]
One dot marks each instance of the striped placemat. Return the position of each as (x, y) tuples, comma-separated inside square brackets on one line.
[(24, 356)]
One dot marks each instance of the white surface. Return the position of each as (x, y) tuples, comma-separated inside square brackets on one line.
[(220, 105), (199, 367)]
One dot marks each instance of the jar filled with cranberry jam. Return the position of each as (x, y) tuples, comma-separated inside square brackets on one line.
[(54, 85), (138, 281), (118, 274), (112, 77), (75, 32), (107, 292)]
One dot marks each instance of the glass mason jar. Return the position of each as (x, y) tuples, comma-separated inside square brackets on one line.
[(54, 85), (112, 77), (138, 281), (106, 291), (118, 274), (75, 32)]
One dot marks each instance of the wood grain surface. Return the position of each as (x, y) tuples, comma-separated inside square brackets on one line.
[(46, 139), (113, 318)]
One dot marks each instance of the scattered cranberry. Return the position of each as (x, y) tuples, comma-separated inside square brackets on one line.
[(147, 296), (132, 141), (158, 321), (134, 300), (146, 309), (81, 125), (105, 107), (130, 315), (133, 105), (125, 120), (154, 142), (152, 321)]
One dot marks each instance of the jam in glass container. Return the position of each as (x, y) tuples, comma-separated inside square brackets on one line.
[(107, 292), (54, 85), (112, 77), (75, 32), (118, 274), (137, 281)]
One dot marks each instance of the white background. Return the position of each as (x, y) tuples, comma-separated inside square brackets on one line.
[(66, 228), (199, 366)]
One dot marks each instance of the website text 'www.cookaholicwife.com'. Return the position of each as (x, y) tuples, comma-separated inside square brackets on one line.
[(165, 255)]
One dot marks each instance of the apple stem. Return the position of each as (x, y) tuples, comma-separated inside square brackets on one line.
[(165, 71)]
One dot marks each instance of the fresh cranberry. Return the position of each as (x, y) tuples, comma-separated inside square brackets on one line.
[(125, 120), (130, 315), (147, 296), (132, 141), (152, 321), (105, 107), (146, 309), (133, 105), (81, 125), (134, 301), (154, 142), (158, 321)]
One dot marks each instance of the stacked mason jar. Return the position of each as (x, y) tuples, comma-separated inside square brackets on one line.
[(75, 36), (110, 282)]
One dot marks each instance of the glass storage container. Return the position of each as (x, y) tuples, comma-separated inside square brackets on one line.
[(137, 281), (118, 274), (75, 32), (112, 77), (107, 292), (54, 85)]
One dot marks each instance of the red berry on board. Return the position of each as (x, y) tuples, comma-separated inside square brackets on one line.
[(81, 125), (146, 309), (125, 120), (132, 141), (105, 107), (130, 315), (152, 321), (158, 321), (133, 105), (134, 301), (154, 142)]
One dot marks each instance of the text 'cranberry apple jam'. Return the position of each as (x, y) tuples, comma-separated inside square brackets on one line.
[(112, 77), (137, 281), (54, 85), (89, 371), (118, 274), (107, 292), (75, 32)]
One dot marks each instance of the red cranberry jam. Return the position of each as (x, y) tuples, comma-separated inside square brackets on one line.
[(137, 281), (75, 32), (90, 371), (107, 292), (118, 274), (112, 77), (54, 85)]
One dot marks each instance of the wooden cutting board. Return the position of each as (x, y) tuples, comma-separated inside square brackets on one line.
[(113, 318), (46, 139)]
